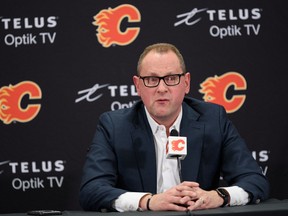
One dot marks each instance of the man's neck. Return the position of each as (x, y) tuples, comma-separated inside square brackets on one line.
[(167, 123)]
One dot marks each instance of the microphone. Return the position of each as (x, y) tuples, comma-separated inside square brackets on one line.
[(174, 132), (177, 146)]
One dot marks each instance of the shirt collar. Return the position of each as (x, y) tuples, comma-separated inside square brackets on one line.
[(154, 125)]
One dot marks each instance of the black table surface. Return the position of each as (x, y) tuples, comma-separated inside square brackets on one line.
[(271, 207)]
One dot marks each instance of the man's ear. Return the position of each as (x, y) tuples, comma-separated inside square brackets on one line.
[(187, 82), (136, 81)]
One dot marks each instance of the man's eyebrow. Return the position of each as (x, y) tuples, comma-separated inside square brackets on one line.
[(155, 74)]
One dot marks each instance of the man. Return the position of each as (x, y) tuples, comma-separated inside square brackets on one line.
[(126, 168)]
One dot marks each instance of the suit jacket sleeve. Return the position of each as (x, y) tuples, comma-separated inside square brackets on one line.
[(99, 172), (238, 166)]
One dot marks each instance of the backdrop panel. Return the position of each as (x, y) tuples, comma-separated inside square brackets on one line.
[(59, 71)]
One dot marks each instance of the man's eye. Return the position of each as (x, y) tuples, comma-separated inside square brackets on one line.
[(153, 79), (171, 78)]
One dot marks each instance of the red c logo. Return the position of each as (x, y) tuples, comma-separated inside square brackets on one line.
[(10, 102), (109, 22), (176, 145), (215, 90)]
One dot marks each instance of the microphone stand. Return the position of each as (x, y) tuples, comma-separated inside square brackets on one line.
[(179, 168)]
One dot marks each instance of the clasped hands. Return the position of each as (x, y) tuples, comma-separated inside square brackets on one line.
[(187, 196)]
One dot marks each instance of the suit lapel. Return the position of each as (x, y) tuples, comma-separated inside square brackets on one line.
[(194, 131), (144, 150)]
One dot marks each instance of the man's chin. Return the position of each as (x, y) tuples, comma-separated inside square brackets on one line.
[(162, 115)]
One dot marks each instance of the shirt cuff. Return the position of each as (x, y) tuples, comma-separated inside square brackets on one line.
[(128, 201), (238, 196)]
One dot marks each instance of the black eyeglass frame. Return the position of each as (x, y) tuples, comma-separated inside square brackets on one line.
[(161, 78)]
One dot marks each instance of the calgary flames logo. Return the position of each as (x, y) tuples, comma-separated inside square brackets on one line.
[(176, 145), (11, 98), (215, 90), (109, 23)]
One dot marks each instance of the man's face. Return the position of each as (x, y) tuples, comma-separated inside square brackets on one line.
[(162, 102)]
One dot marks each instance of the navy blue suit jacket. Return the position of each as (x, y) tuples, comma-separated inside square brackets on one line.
[(122, 156)]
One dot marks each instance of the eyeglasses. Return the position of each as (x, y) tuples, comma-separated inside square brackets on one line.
[(169, 80)]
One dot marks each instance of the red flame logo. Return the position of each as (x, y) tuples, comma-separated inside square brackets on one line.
[(10, 102), (215, 90), (176, 145), (109, 22)]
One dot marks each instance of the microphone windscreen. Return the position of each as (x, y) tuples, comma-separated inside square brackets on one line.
[(176, 146), (174, 132)]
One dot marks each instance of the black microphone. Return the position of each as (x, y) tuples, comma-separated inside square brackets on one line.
[(174, 132)]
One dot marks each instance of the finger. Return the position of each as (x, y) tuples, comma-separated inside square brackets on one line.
[(197, 204), (190, 184), (185, 188), (184, 200)]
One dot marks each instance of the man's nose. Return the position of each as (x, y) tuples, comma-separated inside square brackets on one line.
[(162, 86)]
